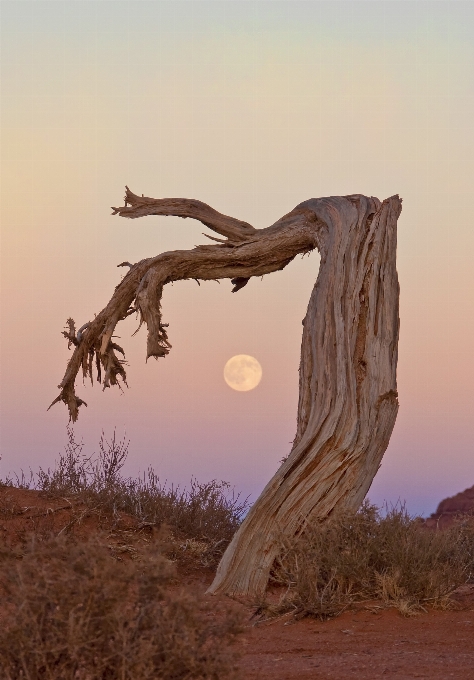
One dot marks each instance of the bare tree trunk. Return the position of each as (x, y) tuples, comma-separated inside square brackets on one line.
[(348, 393)]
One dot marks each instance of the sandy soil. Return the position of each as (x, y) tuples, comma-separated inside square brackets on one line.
[(365, 644), (368, 643)]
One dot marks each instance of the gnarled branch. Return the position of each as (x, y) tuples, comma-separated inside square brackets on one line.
[(264, 251), (139, 206)]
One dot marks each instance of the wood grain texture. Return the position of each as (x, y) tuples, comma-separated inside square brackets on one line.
[(348, 392)]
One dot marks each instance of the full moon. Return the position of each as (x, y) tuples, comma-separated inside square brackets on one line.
[(242, 373)]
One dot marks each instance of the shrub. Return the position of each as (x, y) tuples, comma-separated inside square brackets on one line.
[(70, 611), (202, 518), (360, 556)]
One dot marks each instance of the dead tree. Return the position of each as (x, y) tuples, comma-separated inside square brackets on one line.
[(347, 387)]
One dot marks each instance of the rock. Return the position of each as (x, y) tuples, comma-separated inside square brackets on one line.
[(450, 508)]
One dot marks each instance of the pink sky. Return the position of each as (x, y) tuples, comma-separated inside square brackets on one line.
[(251, 107)]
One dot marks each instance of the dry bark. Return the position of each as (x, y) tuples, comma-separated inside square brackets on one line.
[(348, 393)]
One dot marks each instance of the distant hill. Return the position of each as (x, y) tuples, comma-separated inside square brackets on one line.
[(454, 506)]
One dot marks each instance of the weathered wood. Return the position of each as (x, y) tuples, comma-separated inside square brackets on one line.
[(348, 391), (140, 206), (348, 394), (250, 252)]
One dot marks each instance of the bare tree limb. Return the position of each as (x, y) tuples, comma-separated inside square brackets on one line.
[(266, 251), (139, 206)]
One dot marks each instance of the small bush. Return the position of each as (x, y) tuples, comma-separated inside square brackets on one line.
[(72, 612), (360, 556), (202, 518)]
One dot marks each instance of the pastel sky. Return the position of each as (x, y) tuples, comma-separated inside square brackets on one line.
[(251, 107)]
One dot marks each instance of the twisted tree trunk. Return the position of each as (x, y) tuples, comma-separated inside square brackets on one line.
[(348, 393)]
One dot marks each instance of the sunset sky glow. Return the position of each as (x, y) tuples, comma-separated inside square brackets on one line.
[(251, 107)]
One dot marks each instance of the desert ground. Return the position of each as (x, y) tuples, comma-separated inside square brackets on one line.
[(369, 641)]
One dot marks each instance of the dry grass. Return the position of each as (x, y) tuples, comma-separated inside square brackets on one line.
[(201, 519), (364, 556), (70, 611), (90, 572)]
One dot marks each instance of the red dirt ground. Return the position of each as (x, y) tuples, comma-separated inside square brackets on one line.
[(367, 644)]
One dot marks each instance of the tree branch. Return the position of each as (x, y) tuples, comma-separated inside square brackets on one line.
[(139, 206), (266, 251)]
